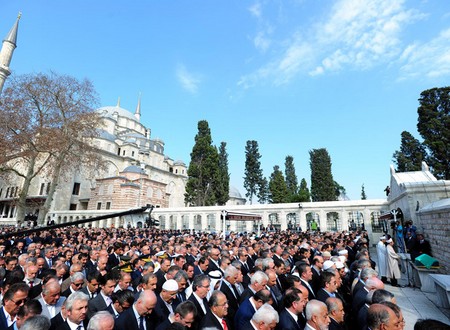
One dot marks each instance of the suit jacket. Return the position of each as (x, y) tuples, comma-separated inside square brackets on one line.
[(287, 322), (197, 271), (95, 305), (112, 261), (359, 300), (210, 321), (160, 276), (58, 306), (57, 322), (362, 317), (316, 281), (161, 311), (127, 321), (335, 326), (65, 325), (200, 313), (110, 310), (233, 304), (212, 266), (190, 258), (3, 322), (244, 314), (311, 294), (322, 295), (246, 294), (164, 325), (86, 291)]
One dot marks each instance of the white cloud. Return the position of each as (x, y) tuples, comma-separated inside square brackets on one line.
[(189, 81), (428, 59), (355, 34), (261, 42), (256, 10)]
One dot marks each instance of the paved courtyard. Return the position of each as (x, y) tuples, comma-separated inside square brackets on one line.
[(414, 303)]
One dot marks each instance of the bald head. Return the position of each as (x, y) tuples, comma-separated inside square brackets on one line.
[(374, 283)]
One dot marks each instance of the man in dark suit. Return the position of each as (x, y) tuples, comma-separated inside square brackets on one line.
[(214, 260), (164, 301), (229, 290), (306, 275), (336, 313), (103, 299), (184, 314), (294, 304), (329, 286), (200, 289), (77, 306), (258, 282), (91, 289), (246, 309), (202, 267), (216, 316), (143, 306), (316, 269), (161, 274), (114, 258)]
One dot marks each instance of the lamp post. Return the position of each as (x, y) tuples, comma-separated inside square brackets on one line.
[(224, 217)]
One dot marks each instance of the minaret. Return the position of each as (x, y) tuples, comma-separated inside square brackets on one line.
[(9, 44), (137, 114)]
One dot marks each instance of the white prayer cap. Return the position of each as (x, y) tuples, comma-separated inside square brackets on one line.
[(342, 252), (389, 240), (382, 238), (326, 254), (328, 264), (170, 285), (339, 265)]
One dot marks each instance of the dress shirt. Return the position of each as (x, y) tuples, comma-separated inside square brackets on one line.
[(74, 326), (138, 317)]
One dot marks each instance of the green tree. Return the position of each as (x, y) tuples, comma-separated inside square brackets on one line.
[(340, 191), (47, 124), (203, 171), (254, 181), (278, 192), (411, 154), (303, 192), (363, 193), (434, 127), (322, 183), (223, 182), (291, 179)]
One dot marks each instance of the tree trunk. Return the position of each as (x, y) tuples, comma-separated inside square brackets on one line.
[(54, 184), (22, 202)]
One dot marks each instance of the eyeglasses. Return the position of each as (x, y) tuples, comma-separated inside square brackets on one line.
[(224, 304), (20, 302), (78, 284)]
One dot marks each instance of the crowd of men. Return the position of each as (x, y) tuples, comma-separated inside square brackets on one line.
[(145, 279)]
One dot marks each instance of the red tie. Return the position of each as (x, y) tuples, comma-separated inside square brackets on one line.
[(224, 324), (31, 284)]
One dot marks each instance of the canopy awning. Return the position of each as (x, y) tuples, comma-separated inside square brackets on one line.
[(238, 216)]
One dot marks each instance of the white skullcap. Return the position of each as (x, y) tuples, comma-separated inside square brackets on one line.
[(389, 240), (328, 264), (382, 238), (339, 265), (342, 252), (170, 285), (326, 254)]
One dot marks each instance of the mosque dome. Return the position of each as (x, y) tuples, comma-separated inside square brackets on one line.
[(234, 192), (133, 169), (109, 112)]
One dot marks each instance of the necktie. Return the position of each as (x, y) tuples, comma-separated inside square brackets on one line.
[(141, 323), (79, 327), (235, 291), (224, 324), (31, 284)]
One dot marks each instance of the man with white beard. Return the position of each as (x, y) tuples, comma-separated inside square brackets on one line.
[(381, 253)]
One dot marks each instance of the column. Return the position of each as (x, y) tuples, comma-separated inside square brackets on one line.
[(283, 220), (344, 216), (323, 220), (302, 219)]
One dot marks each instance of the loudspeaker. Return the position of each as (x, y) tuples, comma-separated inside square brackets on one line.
[(424, 260)]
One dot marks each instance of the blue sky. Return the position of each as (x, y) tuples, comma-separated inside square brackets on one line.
[(292, 74)]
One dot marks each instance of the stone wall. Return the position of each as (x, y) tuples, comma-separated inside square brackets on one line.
[(435, 223)]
